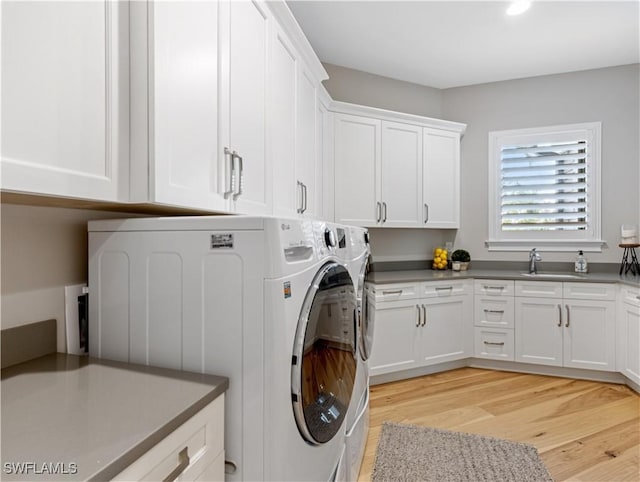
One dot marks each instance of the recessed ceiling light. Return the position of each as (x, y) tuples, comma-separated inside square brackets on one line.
[(518, 7)]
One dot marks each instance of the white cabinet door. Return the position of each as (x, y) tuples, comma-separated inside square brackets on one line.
[(65, 99), (629, 340), (401, 175), (245, 96), (396, 336), (287, 195), (538, 331), (589, 334), (184, 155), (441, 179), (447, 333), (306, 140), (357, 167)]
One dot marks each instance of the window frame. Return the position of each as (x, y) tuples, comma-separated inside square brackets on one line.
[(587, 240)]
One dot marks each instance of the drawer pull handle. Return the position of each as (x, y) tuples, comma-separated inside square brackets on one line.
[(183, 463), (494, 311), (442, 288), (638, 297), (494, 343), (391, 292), (487, 287)]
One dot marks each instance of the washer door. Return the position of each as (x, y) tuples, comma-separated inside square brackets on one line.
[(324, 355)]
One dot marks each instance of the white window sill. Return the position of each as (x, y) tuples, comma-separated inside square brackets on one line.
[(588, 246)]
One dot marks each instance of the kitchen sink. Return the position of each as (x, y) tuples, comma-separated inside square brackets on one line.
[(543, 274)]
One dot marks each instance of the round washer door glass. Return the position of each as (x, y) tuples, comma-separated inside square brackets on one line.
[(324, 355)]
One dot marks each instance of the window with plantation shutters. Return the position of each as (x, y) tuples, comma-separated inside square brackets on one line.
[(544, 188)]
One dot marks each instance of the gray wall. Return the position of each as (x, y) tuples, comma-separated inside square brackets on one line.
[(357, 87), (608, 95)]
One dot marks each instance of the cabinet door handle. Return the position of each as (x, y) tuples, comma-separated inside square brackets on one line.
[(238, 193), (304, 197), (418, 320), (494, 343), (424, 315), (300, 199), (378, 211), (183, 463), (391, 292), (494, 311), (230, 178), (637, 297), (488, 287), (559, 315), (384, 219), (568, 316), (426, 214), (442, 288)]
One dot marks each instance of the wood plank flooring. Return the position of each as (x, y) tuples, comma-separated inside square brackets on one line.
[(583, 430)]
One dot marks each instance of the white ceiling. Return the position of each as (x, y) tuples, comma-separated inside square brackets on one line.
[(454, 43)]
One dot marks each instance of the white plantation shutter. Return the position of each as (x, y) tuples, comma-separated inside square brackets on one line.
[(544, 188)]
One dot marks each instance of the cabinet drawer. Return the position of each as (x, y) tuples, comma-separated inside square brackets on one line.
[(492, 287), (393, 292), (201, 438), (494, 343), (494, 311), (629, 294), (539, 289), (443, 289), (589, 291)]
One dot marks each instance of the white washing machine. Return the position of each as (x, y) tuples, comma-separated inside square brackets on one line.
[(267, 302), (358, 414)]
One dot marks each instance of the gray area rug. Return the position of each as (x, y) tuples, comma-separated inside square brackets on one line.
[(413, 453)]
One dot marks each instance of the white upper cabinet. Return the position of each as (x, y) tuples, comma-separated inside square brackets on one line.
[(65, 90), (401, 175), (244, 105), (357, 166), (395, 170), (441, 179), (175, 80)]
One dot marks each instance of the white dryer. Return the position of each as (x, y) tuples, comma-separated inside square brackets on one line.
[(267, 302), (358, 414)]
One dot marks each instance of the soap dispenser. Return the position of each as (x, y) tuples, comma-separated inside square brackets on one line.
[(581, 263)]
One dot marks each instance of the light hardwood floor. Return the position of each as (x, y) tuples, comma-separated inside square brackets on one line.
[(584, 431)]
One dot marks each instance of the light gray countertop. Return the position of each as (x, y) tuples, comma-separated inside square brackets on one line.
[(96, 414), (409, 276)]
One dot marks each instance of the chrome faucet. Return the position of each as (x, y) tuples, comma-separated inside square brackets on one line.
[(533, 257)]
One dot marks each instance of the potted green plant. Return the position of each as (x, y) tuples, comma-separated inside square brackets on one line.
[(460, 260)]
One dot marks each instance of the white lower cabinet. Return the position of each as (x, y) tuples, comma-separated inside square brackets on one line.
[(193, 451), (628, 333), (565, 324), (494, 319), (419, 325)]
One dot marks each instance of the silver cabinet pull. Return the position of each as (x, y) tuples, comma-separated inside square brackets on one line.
[(391, 292), (230, 178), (183, 463), (568, 316), (637, 297), (487, 287), (299, 209), (495, 311), (384, 218), (238, 193), (442, 288), (424, 315), (378, 211), (304, 197), (418, 321), (426, 216), (494, 343), (559, 315)]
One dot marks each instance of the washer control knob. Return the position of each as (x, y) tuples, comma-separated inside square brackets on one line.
[(329, 238)]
